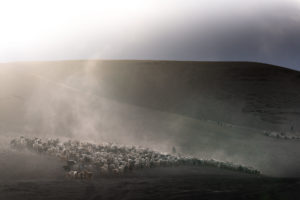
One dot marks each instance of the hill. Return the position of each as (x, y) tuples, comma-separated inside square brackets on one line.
[(242, 93), (206, 109)]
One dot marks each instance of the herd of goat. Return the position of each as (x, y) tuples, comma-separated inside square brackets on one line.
[(83, 159)]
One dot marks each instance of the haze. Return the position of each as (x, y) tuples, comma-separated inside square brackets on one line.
[(264, 31)]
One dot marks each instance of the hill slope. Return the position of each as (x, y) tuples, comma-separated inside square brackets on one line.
[(243, 93), (207, 109)]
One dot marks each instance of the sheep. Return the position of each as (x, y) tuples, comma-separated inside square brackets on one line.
[(82, 159), (104, 169), (72, 174)]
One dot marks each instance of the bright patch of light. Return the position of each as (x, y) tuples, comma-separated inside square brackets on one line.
[(38, 29), (31, 24)]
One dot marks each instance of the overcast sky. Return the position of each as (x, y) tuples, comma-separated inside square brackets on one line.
[(257, 30)]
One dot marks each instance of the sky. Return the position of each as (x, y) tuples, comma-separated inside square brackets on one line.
[(217, 30)]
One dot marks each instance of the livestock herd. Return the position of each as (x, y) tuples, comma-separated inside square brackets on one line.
[(83, 159), (282, 135)]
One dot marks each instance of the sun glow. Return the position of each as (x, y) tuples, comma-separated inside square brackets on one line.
[(117, 29), (33, 24)]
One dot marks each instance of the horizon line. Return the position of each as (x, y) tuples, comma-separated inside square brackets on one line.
[(155, 60)]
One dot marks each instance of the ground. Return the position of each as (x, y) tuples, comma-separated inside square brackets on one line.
[(163, 183)]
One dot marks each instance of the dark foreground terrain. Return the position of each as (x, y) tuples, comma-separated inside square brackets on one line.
[(163, 183)]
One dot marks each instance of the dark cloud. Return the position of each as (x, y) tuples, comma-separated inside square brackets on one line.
[(266, 37)]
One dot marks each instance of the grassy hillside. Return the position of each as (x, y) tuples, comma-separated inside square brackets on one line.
[(207, 109), (243, 93)]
